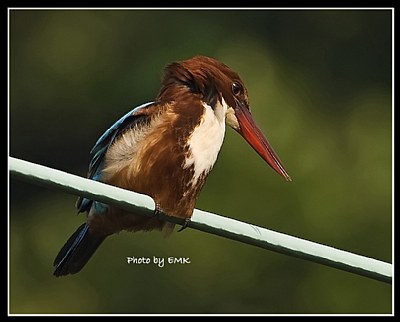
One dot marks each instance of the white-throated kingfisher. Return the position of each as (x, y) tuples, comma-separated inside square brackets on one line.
[(165, 149)]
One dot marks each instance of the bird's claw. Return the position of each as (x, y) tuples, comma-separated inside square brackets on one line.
[(185, 224), (157, 210)]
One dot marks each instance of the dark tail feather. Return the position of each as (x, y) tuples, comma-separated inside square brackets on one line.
[(77, 251)]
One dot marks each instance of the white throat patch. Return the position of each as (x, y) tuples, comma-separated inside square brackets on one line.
[(206, 140)]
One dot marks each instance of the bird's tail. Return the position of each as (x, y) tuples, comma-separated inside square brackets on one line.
[(77, 251)]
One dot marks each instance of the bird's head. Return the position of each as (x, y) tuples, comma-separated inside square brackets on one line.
[(221, 88)]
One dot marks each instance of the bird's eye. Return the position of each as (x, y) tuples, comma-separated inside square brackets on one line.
[(237, 88)]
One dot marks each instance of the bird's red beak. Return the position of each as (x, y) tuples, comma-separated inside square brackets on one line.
[(253, 135)]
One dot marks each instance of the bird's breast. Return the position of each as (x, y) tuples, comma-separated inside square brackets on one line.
[(205, 141)]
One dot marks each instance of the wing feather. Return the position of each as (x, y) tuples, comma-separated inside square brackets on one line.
[(132, 118)]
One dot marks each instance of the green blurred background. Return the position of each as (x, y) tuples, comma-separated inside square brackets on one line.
[(320, 86)]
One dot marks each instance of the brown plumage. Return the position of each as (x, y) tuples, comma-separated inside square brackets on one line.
[(165, 149)]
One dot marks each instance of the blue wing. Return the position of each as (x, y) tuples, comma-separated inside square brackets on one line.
[(100, 148)]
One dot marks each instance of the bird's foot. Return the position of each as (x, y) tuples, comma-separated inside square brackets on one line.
[(185, 224), (157, 212)]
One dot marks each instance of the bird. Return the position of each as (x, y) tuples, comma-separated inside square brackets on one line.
[(165, 149)]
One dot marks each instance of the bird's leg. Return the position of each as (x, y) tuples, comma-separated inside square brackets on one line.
[(185, 224), (157, 210)]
